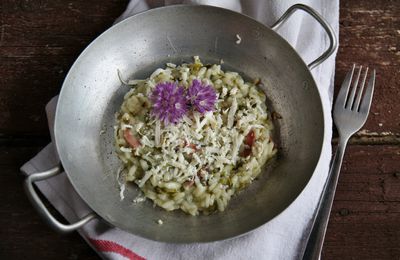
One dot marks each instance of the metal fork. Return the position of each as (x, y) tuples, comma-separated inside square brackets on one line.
[(349, 114)]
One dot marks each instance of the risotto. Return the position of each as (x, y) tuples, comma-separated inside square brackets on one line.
[(191, 136)]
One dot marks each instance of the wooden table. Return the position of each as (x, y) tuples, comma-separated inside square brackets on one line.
[(40, 40)]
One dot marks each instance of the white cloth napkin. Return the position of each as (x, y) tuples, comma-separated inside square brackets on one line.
[(282, 237)]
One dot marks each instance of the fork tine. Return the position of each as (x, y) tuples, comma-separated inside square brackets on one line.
[(360, 92), (344, 89), (366, 102), (350, 100)]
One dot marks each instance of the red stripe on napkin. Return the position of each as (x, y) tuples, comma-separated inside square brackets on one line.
[(110, 246)]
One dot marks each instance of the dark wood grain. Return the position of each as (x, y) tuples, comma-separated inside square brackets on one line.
[(365, 219), (39, 40), (370, 36), (23, 234)]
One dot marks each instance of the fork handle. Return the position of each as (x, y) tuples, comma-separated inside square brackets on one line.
[(321, 219)]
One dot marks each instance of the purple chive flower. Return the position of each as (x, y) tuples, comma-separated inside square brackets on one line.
[(201, 97), (169, 102)]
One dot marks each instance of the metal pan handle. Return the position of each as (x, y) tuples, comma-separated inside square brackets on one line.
[(328, 29), (41, 208)]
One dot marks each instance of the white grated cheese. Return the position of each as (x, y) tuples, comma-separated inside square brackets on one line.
[(156, 73), (187, 120), (181, 158), (224, 92), (157, 133), (120, 78), (133, 82), (233, 91), (197, 158), (239, 40), (237, 142), (139, 198), (121, 183), (212, 150), (171, 65), (178, 165), (125, 126), (232, 112), (246, 119), (146, 142), (125, 149), (122, 190), (202, 124)]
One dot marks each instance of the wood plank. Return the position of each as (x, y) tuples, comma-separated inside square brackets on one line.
[(365, 219), (37, 78), (56, 23), (370, 36), (39, 42), (41, 39), (23, 233), (371, 207)]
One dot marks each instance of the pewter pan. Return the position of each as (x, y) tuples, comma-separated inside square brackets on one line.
[(92, 93)]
